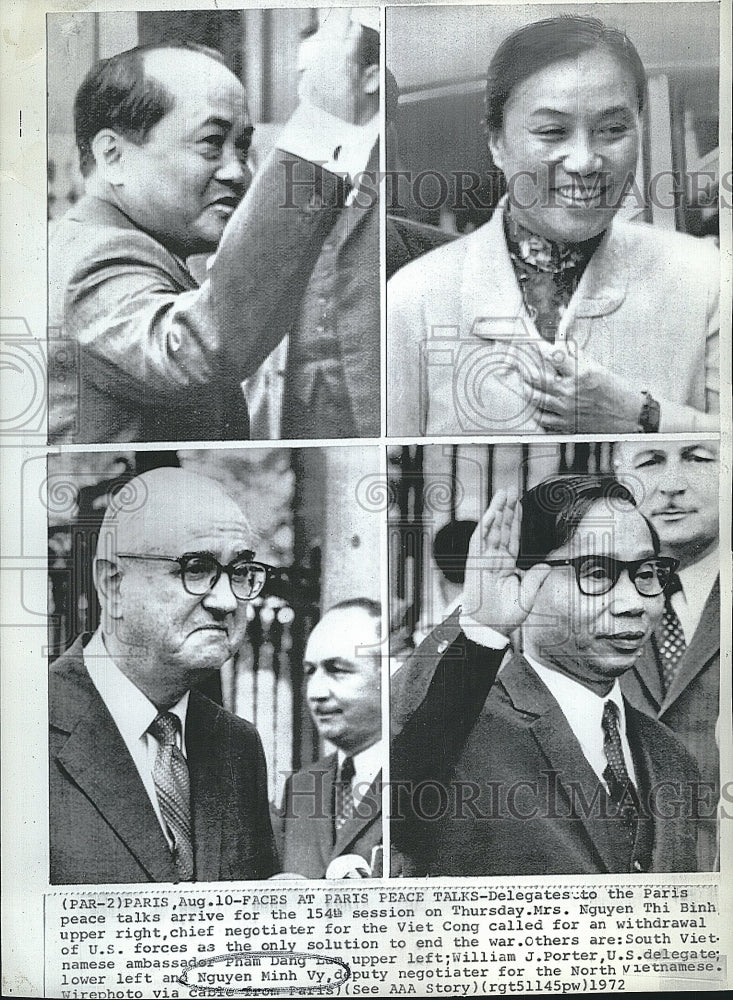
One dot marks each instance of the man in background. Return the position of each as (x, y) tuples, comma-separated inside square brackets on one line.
[(331, 818), (149, 780), (677, 678), (331, 385), (145, 354)]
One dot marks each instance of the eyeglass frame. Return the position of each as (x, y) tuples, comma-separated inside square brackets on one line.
[(245, 556), (625, 564)]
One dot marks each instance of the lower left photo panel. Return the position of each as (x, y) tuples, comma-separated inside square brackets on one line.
[(215, 648)]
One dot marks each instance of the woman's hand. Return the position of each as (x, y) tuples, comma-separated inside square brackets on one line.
[(576, 395), (495, 592)]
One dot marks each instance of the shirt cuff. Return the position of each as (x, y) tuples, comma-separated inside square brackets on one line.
[(482, 635), (316, 136)]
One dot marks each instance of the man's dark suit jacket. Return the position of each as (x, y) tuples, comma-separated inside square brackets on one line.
[(332, 376), (306, 821), (480, 751), (137, 352), (102, 824), (691, 706)]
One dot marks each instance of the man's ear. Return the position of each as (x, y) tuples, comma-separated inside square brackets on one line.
[(496, 148), (108, 150), (107, 580), (370, 79)]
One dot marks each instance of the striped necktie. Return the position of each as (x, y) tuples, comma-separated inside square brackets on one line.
[(170, 774)]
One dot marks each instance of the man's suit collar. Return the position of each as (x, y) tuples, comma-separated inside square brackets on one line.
[(101, 213), (368, 811), (490, 289), (566, 760), (96, 759), (704, 646)]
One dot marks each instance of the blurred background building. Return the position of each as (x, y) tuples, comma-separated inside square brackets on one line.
[(312, 520), (260, 46), (439, 56)]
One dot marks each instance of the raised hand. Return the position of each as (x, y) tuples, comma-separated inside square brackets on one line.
[(496, 593)]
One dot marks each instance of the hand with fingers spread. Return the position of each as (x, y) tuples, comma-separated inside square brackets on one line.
[(577, 395), (496, 593)]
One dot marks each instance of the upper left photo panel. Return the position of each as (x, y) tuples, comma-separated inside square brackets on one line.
[(213, 234)]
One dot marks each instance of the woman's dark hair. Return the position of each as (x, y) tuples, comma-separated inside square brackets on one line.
[(117, 93), (552, 511), (542, 43)]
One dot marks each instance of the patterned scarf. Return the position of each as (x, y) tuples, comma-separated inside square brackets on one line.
[(548, 273)]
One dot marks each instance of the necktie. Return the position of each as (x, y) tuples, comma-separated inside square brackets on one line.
[(343, 798), (672, 643), (170, 774), (620, 786)]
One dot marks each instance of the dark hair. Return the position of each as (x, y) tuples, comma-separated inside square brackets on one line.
[(552, 511), (542, 43), (450, 549), (116, 93), (372, 608)]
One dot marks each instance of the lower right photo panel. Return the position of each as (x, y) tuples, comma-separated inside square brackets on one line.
[(554, 655)]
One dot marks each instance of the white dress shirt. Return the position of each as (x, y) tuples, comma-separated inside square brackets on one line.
[(697, 582), (132, 714), (315, 135), (583, 710), (367, 765)]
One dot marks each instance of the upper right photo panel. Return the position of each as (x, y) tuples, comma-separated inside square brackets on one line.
[(552, 223)]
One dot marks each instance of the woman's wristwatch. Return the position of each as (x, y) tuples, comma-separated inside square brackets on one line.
[(649, 415)]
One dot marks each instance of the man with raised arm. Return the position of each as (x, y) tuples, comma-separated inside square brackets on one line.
[(544, 768)]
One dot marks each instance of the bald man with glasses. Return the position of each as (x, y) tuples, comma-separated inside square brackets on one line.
[(542, 767), (149, 779)]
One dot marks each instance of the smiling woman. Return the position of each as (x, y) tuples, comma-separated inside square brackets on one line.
[(556, 316)]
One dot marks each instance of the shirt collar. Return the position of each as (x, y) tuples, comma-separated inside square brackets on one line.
[(582, 707), (131, 710), (699, 578), (367, 763)]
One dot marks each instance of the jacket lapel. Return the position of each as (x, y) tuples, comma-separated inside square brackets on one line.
[(96, 759), (206, 749), (647, 675), (491, 302), (565, 758), (603, 286), (367, 811), (705, 644)]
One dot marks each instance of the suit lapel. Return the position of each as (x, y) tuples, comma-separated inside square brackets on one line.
[(206, 748), (565, 757), (705, 644), (96, 759), (367, 811), (491, 302), (648, 675), (603, 286)]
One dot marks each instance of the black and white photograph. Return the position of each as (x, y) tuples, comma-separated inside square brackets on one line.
[(555, 617), (365, 549), (565, 157), (213, 252), (214, 693)]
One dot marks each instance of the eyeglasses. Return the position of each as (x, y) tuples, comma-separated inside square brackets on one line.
[(598, 574), (201, 571)]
